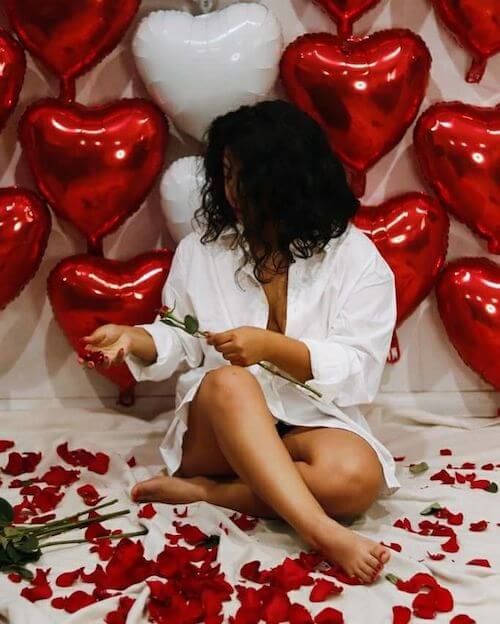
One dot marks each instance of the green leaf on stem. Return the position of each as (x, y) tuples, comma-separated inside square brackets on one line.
[(6, 512), (191, 324)]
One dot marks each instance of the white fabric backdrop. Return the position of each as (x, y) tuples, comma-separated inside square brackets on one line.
[(36, 363)]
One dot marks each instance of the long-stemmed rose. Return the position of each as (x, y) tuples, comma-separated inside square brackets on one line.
[(23, 544), (191, 326)]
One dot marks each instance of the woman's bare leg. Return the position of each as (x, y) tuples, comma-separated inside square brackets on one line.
[(235, 406)]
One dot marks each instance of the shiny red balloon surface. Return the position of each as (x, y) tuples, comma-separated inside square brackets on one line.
[(87, 292), (12, 70), (346, 12), (411, 233), (468, 296), (95, 166), (24, 231), (365, 92), (476, 25), (70, 36), (458, 148)]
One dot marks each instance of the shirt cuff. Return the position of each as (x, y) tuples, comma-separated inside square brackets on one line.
[(169, 357), (328, 366)]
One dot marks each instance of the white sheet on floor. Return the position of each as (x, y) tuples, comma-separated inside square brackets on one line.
[(417, 435)]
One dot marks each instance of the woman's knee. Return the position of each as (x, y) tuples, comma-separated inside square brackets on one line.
[(225, 384)]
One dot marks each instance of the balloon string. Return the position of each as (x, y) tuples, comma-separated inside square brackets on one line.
[(344, 28), (358, 183), (95, 248), (394, 352), (126, 397), (67, 90), (477, 69)]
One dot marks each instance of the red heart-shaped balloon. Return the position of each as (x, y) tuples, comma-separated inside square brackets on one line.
[(87, 292), (13, 64), (458, 148), (70, 37), (411, 233), (468, 301), (365, 92), (24, 231), (476, 25), (95, 166), (346, 12)]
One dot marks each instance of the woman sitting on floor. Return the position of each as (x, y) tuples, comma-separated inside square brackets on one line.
[(278, 274)]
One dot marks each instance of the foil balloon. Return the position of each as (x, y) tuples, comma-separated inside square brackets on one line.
[(468, 302), (197, 68), (24, 232), (87, 292), (181, 195), (458, 148), (13, 69), (95, 166), (364, 92), (346, 12), (476, 25), (411, 233), (70, 37)]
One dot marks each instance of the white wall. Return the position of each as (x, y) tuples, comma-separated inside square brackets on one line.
[(36, 364)]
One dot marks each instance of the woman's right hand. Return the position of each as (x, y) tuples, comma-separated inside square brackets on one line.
[(113, 341)]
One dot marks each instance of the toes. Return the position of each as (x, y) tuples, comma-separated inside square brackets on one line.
[(364, 573), (381, 553), (148, 491)]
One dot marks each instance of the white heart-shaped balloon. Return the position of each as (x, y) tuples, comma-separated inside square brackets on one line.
[(181, 195), (197, 68)]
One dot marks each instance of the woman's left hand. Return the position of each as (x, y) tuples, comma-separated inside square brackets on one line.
[(242, 346)]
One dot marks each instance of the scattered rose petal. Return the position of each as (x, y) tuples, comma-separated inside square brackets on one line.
[(329, 616), (190, 533), (401, 615), (468, 466), (59, 476), (96, 530), (393, 545), (478, 527), (132, 463), (445, 451), (99, 463), (436, 556), (244, 522), (89, 494), (147, 511), (18, 463), (298, 614), (5, 445), (444, 476), (43, 519), (67, 579), (400, 458), (104, 549), (462, 619), (451, 545), (120, 615), (484, 563), (324, 589), (74, 602), (181, 514), (14, 577), (40, 588)]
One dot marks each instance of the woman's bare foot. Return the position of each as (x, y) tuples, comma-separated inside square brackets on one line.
[(356, 555), (171, 490)]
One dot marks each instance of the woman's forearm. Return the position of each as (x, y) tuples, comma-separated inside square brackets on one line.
[(142, 345), (290, 355)]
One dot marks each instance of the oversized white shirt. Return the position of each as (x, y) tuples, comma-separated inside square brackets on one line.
[(341, 303)]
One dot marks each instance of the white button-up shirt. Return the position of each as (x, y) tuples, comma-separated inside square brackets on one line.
[(341, 303)]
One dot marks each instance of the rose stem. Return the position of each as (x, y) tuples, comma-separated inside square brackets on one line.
[(82, 541)]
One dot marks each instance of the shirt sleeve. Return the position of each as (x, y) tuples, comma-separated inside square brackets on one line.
[(176, 349), (347, 366)]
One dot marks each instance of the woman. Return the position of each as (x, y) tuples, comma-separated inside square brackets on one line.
[(279, 275)]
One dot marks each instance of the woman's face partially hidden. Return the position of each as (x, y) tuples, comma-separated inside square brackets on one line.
[(231, 184)]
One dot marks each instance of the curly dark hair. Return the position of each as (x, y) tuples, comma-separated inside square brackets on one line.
[(288, 177)]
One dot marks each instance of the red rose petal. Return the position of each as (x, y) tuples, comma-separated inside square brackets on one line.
[(424, 606), (59, 476), (99, 463), (484, 563), (18, 463), (276, 605), (74, 602), (404, 523), (436, 556), (5, 445), (244, 522), (329, 616), (43, 519), (104, 549), (480, 484), (190, 533), (298, 614), (451, 545), (147, 511), (40, 588), (96, 530), (477, 527), (417, 582), (181, 514), (14, 577), (89, 494), (132, 463), (120, 615), (401, 615), (323, 589), (399, 459), (393, 545), (444, 476), (468, 466), (251, 571), (487, 467), (67, 579), (445, 451), (462, 619)]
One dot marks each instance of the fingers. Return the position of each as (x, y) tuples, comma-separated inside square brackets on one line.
[(103, 358), (219, 339), (95, 337)]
